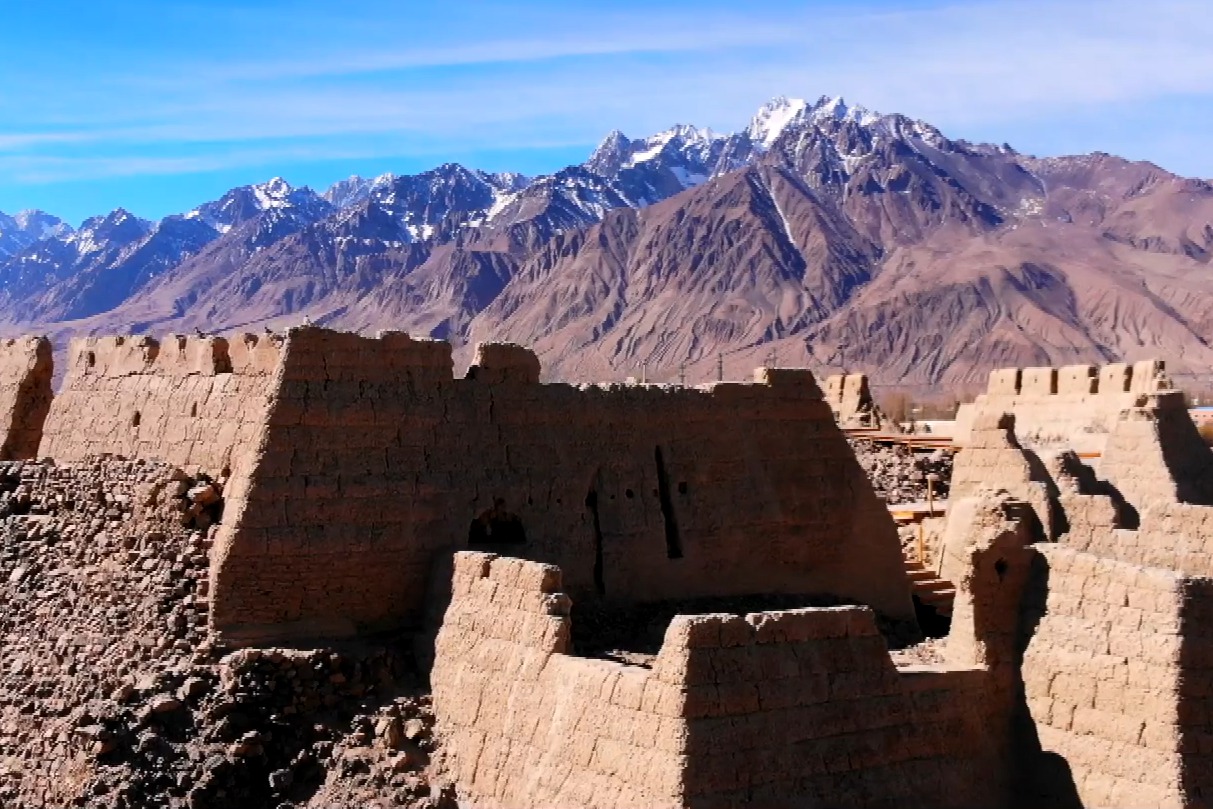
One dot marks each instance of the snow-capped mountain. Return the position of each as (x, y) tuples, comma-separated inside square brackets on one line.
[(248, 202), (799, 229), (22, 229), (354, 189), (102, 234), (434, 203), (438, 202), (651, 169), (772, 118), (29, 276), (570, 198), (73, 274)]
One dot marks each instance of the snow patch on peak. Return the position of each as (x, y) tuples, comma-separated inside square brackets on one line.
[(355, 189), (614, 139), (772, 118), (689, 134), (838, 109), (681, 135), (273, 193), (509, 180), (38, 225)]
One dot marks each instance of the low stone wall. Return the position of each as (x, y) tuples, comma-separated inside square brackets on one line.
[(1116, 677), (25, 395), (188, 401), (773, 709)]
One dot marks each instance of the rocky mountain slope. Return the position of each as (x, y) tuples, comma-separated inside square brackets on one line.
[(821, 234)]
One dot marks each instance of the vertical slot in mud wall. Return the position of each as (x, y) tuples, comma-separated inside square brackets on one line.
[(591, 504), (673, 543)]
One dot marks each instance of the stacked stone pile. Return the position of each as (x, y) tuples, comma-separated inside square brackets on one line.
[(110, 695), (898, 474)]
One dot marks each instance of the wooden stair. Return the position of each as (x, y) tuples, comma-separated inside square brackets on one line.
[(929, 588)]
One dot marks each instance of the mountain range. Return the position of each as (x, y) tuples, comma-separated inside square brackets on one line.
[(822, 234)]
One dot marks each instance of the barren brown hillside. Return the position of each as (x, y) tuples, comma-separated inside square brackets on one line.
[(848, 241)]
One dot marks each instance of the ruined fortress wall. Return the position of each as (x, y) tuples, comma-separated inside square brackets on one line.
[(783, 708), (374, 462), (1113, 679), (1154, 455), (848, 396), (770, 709), (1074, 406), (1092, 522), (1175, 536), (189, 401), (25, 395), (992, 459), (524, 724)]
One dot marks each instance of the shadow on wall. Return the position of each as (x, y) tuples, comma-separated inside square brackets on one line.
[(1183, 451), (1195, 700), (495, 528), (1041, 779)]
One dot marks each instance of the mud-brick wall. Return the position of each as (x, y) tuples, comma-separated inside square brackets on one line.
[(792, 708), (185, 400), (1117, 675), (993, 459), (523, 724), (375, 462), (805, 708), (1154, 454), (848, 395), (1073, 406), (26, 368), (1175, 536)]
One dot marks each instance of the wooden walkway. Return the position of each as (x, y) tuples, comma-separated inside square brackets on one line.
[(922, 442), (910, 513)]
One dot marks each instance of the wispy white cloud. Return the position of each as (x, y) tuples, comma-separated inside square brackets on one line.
[(570, 78)]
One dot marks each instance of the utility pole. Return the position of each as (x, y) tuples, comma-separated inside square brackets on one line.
[(644, 372), (682, 374), (720, 367)]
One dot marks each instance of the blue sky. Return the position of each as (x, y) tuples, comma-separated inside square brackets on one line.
[(159, 105)]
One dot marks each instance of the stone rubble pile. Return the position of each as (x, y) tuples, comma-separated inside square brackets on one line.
[(899, 475), (111, 697)]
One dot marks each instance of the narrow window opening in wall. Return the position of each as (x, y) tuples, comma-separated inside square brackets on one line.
[(194, 410), (135, 419), (496, 526), (591, 504), (629, 494), (682, 487), (1000, 567), (91, 359), (673, 543)]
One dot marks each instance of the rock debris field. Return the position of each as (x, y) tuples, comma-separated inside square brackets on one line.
[(898, 474), (111, 697)]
